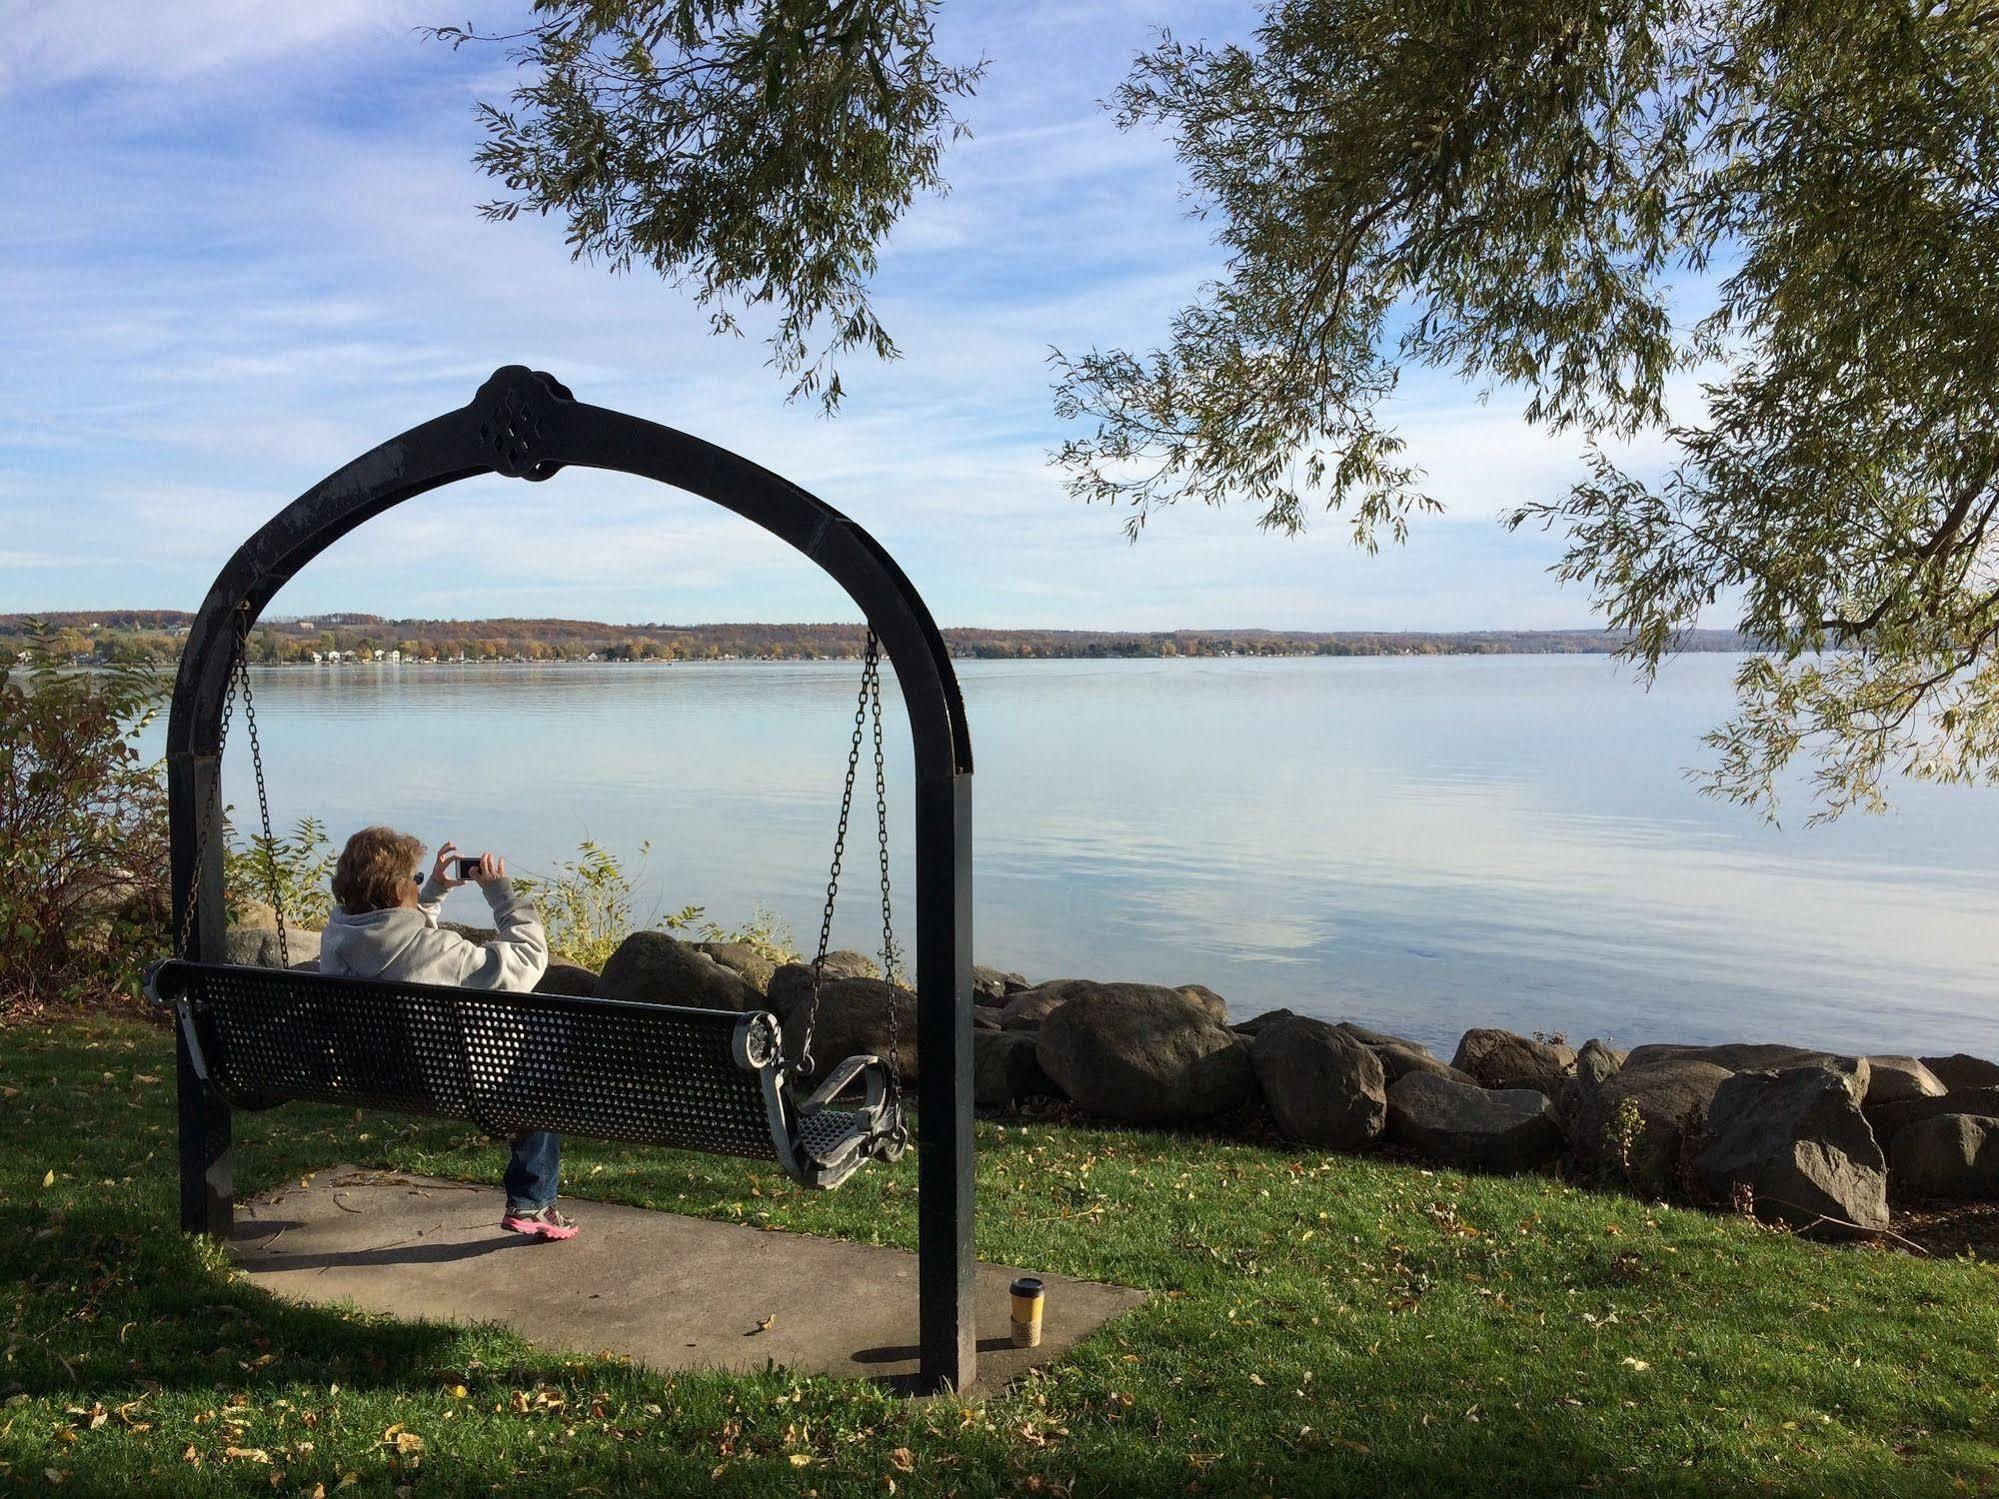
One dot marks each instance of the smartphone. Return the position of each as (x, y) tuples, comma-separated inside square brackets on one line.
[(468, 869)]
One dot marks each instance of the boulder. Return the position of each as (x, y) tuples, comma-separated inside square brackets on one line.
[(853, 1020), (567, 978), (1890, 1119), (479, 934), (1960, 1070), (845, 963), (1797, 1141), (1894, 1079), (1658, 1100), (1368, 1037), (254, 913), (991, 986), (1501, 1059), (985, 1018), (1027, 1008), (742, 959), (1257, 1022), (790, 980), (1144, 1055), (661, 969), (1595, 1063), (1207, 999), (257, 946), (1006, 1069), (1464, 1124), (1399, 1059), (1736, 1056), (1324, 1088), (1948, 1155)]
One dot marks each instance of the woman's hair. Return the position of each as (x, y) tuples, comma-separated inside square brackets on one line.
[(373, 869)]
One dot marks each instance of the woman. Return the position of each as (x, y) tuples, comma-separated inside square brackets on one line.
[(386, 928)]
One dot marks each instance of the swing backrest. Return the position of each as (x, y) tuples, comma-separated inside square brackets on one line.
[(610, 1069)]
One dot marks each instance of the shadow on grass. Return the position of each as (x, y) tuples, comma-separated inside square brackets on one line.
[(113, 1300)]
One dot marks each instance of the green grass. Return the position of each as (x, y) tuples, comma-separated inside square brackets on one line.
[(1320, 1325)]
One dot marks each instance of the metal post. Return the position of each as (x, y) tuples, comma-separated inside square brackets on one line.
[(207, 1163), (947, 1259)]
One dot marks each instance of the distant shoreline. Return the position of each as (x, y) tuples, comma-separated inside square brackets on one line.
[(156, 636)]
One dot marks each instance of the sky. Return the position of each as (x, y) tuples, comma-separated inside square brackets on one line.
[(241, 247)]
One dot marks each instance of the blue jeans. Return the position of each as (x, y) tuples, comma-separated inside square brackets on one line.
[(534, 1170)]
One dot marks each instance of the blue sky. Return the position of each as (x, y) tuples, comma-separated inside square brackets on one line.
[(240, 247)]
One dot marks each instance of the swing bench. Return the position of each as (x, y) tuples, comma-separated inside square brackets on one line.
[(647, 1073), (651, 1074)]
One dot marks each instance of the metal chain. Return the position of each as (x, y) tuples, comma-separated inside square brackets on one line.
[(263, 796), (802, 1063), (239, 678), (889, 954)]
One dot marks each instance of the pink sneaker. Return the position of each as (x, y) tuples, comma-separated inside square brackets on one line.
[(543, 1223)]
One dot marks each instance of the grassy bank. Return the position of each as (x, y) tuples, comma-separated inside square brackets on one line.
[(1320, 1325)]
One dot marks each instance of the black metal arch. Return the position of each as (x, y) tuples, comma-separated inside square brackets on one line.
[(525, 424)]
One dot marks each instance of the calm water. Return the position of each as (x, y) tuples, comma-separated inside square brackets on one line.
[(1424, 844)]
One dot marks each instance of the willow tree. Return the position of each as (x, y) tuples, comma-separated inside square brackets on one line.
[(754, 152), (1794, 207), (1778, 214)]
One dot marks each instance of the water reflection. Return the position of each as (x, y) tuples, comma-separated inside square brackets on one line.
[(1423, 843)]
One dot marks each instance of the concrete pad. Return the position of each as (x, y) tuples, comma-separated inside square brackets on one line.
[(672, 1292)]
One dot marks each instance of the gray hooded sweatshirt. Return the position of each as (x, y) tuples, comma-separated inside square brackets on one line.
[(405, 944)]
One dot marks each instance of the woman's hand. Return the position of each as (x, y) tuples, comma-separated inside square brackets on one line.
[(440, 872), (492, 870)]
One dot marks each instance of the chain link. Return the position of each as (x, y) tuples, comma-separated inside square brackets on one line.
[(802, 1062), (239, 679), (263, 796), (890, 956), (867, 713)]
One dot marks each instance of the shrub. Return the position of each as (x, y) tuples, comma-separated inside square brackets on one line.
[(299, 867), (83, 831), (588, 905)]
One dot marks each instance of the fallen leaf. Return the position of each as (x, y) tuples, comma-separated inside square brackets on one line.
[(247, 1454), (50, 1181), (801, 1459), (764, 1323), (1636, 1363)]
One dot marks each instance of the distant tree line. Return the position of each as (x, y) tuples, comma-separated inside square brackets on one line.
[(139, 637)]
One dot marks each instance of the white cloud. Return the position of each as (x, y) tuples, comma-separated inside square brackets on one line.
[(144, 41)]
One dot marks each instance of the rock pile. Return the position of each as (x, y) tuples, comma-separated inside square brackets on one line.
[(1804, 1137)]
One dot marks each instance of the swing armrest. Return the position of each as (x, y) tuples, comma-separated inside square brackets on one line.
[(841, 1078), (165, 986)]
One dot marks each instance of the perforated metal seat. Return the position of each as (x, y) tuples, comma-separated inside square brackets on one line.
[(709, 1080)]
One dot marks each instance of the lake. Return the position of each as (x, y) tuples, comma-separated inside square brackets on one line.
[(1422, 844)]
